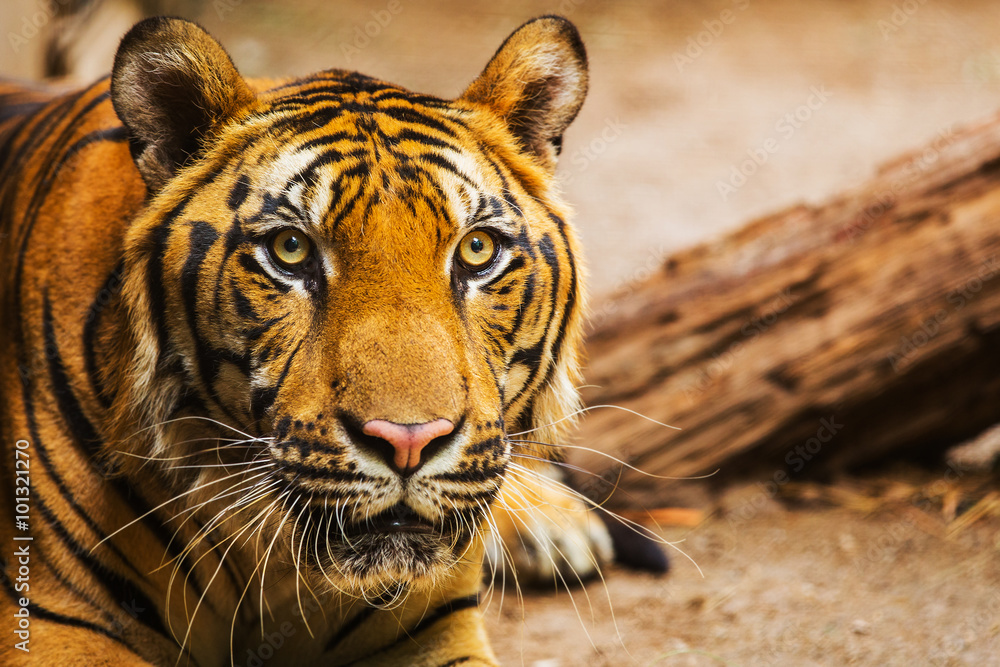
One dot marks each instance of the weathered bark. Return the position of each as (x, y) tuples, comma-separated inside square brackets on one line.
[(816, 339)]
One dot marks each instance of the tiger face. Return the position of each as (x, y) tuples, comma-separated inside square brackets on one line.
[(374, 287)]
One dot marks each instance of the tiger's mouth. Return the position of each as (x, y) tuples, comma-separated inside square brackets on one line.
[(399, 518), (397, 547)]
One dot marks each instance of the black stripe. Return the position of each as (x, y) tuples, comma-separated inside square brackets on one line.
[(261, 400), (239, 192), (484, 445), (26, 152), (10, 110), (83, 433), (201, 238), (534, 355), (412, 116), (80, 427), (475, 473), (43, 456), (409, 134), (46, 178), (447, 609), (328, 139), (408, 98), (234, 238), (446, 164), (38, 134), (349, 627), (360, 168), (249, 262), (352, 202), (570, 306), (309, 472), (515, 264), (324, 77), (113, 134), (45, 614), (527, 296), (109, 289), (121, 589), (155, 247), (154, 278), (244, 308)]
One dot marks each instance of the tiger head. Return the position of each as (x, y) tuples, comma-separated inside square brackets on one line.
[(374, 287)]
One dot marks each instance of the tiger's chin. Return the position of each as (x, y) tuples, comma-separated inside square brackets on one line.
[(383, 558)]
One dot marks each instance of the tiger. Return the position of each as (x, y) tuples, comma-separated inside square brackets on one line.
[(285, 362)]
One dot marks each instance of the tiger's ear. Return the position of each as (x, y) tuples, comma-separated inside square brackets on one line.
[(171, 86), (536, 82)]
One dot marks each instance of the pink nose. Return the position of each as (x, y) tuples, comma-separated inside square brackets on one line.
[(407, 440)]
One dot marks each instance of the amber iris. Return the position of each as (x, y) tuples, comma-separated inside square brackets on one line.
[(290, 248), (477, 250)]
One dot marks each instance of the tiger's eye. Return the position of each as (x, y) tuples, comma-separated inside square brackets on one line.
[(290, 248), (477, 250)]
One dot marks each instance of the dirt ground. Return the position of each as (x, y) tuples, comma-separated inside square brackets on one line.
[(802, 588), (683, 94)]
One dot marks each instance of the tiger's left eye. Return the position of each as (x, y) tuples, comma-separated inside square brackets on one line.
[(477, 250), (290, 248)]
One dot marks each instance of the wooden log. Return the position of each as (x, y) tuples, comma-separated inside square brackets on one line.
[(814, 340)]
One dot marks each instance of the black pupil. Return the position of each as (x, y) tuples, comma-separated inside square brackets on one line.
[(476, 245), (291, 245)]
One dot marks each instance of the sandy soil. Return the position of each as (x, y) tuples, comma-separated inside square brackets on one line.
[(821, 587), (682, 94)]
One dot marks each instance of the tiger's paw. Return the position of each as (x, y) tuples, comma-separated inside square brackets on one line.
[(543, 534)]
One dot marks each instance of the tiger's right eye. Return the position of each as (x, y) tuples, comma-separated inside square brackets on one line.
[(477, 250), (290, 248)]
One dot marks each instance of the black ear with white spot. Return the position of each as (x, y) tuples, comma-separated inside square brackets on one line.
[(536, 83), (171, 86)]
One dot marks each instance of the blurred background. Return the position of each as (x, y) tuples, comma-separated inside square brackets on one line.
[(681, 90), (703, 115)]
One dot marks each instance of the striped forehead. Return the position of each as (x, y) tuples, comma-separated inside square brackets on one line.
[(383, 156)]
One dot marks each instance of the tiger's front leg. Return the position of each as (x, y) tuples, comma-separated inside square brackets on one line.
[(458, 639), (543, 532)]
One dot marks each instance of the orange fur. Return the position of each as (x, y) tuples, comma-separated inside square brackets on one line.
[(194, 408)]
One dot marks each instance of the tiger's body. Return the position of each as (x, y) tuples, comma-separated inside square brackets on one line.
[(265, 350)]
